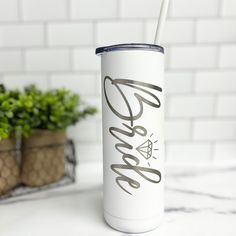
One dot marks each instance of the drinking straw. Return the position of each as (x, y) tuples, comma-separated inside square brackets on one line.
[(161, 21)]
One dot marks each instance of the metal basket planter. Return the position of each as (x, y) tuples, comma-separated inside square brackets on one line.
[(43, 159), (41, 167), (9, 167)]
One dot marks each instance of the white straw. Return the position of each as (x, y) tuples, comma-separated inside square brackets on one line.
[(161, 21)]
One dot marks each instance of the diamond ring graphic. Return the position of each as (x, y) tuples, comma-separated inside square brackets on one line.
[(146, 149)]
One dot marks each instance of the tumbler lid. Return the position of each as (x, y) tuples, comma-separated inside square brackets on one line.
[(130, 46)]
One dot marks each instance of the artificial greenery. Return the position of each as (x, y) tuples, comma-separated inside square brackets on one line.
[(23, 121), (57, 109), (7, 107), (23, 112)]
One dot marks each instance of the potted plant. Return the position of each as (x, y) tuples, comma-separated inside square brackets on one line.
[(43, 151), (9, 168)]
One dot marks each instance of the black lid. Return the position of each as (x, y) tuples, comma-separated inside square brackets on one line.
[(130, 46)]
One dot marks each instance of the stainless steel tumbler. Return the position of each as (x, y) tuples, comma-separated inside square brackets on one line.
[(133, 142)]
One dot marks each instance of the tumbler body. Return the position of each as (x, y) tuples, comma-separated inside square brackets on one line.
[(133, 141)]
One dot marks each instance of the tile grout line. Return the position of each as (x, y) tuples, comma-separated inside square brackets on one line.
[(19, 11), (95, 33), (118, 10), (220, 8), (68, 10), (194, 33)]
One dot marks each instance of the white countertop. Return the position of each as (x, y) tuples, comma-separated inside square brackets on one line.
[(200, 201)]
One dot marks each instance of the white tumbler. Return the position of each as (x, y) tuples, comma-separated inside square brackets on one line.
[(133, 141)]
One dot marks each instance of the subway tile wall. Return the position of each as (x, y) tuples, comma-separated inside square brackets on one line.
[(51, 43)]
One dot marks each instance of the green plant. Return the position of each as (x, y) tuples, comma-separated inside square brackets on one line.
[(56, 109), (23, 120), (23, 112), (7, 108)]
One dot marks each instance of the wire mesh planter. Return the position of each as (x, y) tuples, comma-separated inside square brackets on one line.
[(53, 166)]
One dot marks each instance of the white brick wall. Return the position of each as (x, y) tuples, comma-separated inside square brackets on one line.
[(215, 81), (70, 34), (188, 152), (224, 104), (225, 151), (193, 57), (228, 8), (176, 130), (84, 84), (21, 35), (216, 30), (176, 31), (178, 82), (11, 60), (84, 60), (43, 10), (8, 10), (85, 131), (192, 8), (51, 43), (227, 56), (214, 130), (19, 81), (47, 60), (190, 106), (118, 32), (90, 9), (139, 8)]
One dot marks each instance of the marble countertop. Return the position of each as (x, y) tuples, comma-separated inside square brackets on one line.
[(200, 201)]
